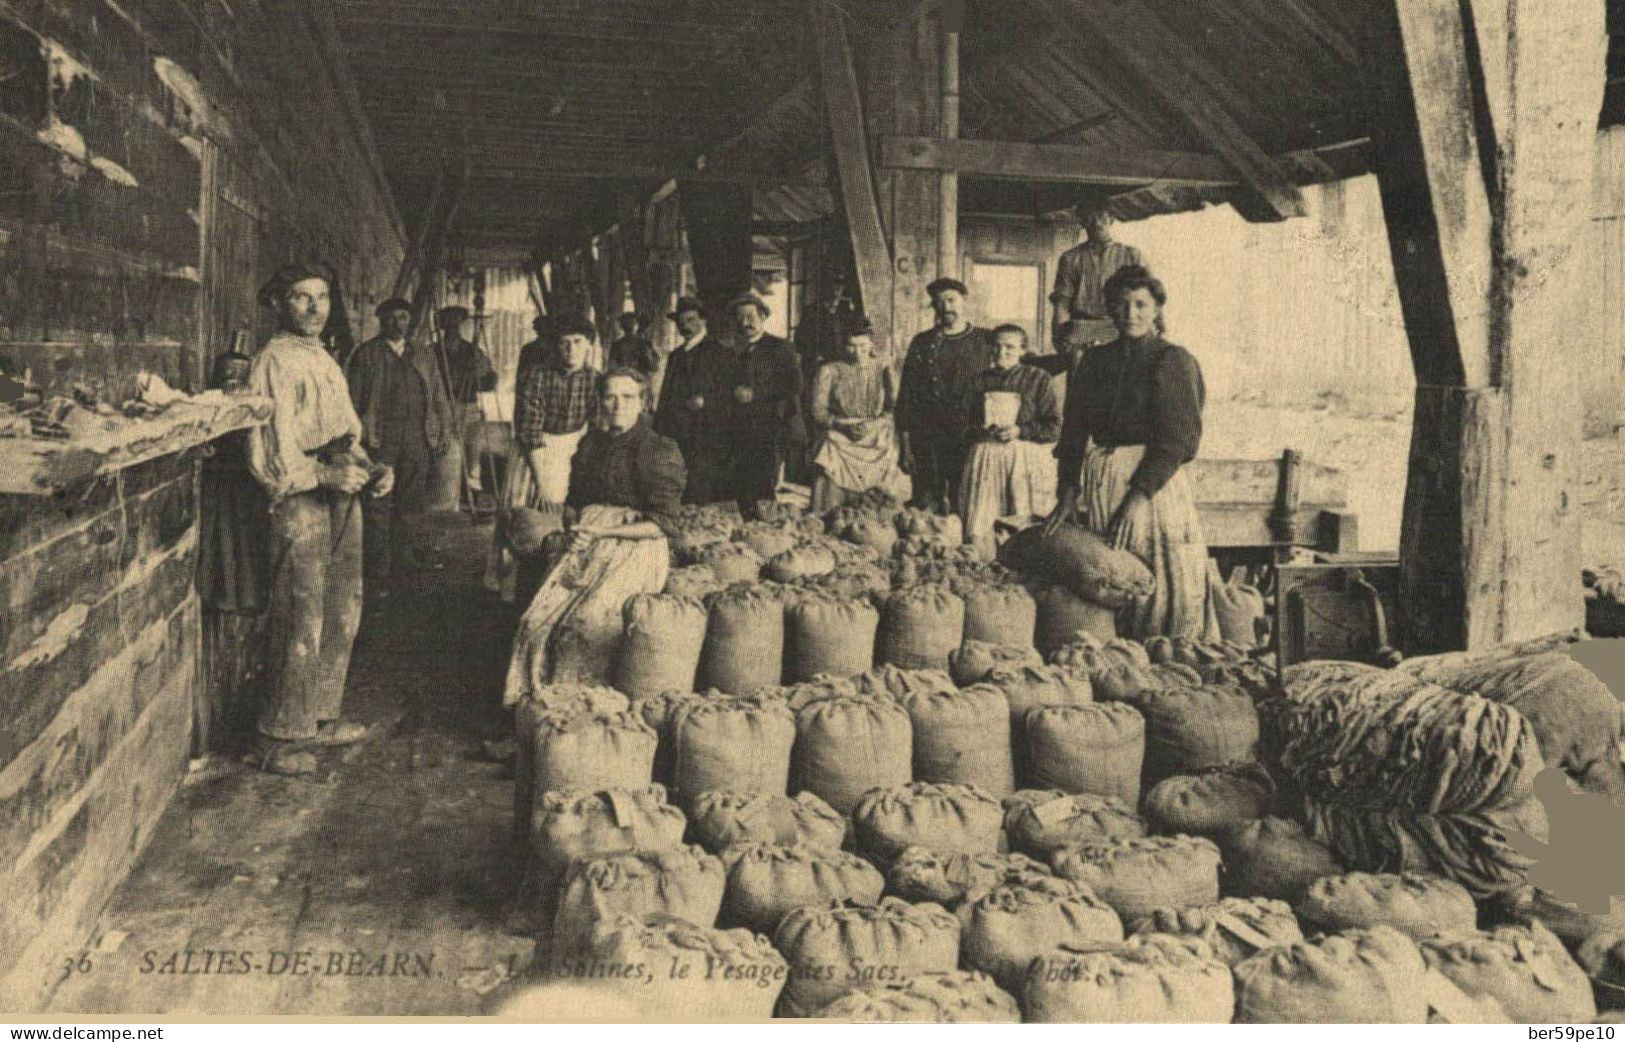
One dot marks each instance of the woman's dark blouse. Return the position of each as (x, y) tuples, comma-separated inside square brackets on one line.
[(638, 469), (1134, 392), (1040, 417)]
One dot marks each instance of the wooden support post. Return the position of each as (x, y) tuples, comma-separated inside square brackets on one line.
[(845, 123), (948, 190), (716, 216), (1488, 111), (1177, 76)]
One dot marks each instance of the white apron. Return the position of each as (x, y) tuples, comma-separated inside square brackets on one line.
[(1002, 478)]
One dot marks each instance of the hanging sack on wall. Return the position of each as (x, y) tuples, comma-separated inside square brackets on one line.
[(1236, 928), (963, 736), (767, 881), (1040, 822), (827, 635), (744, 641), (1137, 875), (661, 648), (953, 819), (1097, 748), (920, 628), (1153, 979), (835, 947), (726, 819), (683, 883), (958, 997), (740, 744), (847, 745), (1008, 927), (920, 874)]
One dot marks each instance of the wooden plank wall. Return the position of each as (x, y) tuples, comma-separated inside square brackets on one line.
[(105, 115)]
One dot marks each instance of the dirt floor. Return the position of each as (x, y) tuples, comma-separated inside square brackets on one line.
[(379, 888)]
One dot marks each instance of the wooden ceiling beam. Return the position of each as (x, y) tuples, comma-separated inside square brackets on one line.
[(1076, 164), (1171, 71)]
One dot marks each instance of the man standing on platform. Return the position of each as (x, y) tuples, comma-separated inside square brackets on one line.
[(310, 462), (767, 405), (1078, 317), (633, 350), (940, 368), (468, 372), (695, 405), (406, 422)]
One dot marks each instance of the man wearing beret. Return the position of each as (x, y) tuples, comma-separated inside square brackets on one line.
[(469, 372), (939, 370), (312, 465), (696, 400), (766, 402), (406, 422)]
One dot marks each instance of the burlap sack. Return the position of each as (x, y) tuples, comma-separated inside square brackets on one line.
[(1189, 651), (1239, 606), (1187, 729), (591, 751), (1137, 875), (764, 537), (766, 881), (1093, 653), (953, 819), (691, 973), (731, 563), (963, 736), (1062, 616), (874, 531), (800, 696), (683, 882), (825, 634), (999, 613), (1274, 857), (1096, 748), (661, 648), (698, 581), (847, 745), (659, 711), (942, 530), (1525, 970), (1573, 926), (1007, 927), (693, 538), (1371, 976), (922, 874), (561, 698), (955, 997), (1149, 979), (920, 627), (744, 641), (1027, 687), (1122, 682), (834, 948), (1211, 801), (894, 682), (726, 819), (1236, 928), (1416, 905), (972, 661), (871, 582), (802, 562), (572, 825), (740, 744), (1040, 822), (1082, 561)]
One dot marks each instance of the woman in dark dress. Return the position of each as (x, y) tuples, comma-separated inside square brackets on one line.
[(1133, 419), (626, 486)]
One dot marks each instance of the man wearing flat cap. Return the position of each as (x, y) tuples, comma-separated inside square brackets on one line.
[(940, 368), (767, 405), (695, 408), (408, 423), (468, 372), (1078, 319), (312, 464)]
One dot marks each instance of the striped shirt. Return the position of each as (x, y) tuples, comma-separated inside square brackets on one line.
[(550, 400)]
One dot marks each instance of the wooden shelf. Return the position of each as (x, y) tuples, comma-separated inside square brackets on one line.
[(40, 467)]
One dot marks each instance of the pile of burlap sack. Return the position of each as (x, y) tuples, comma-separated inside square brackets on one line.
[(755, 821)]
